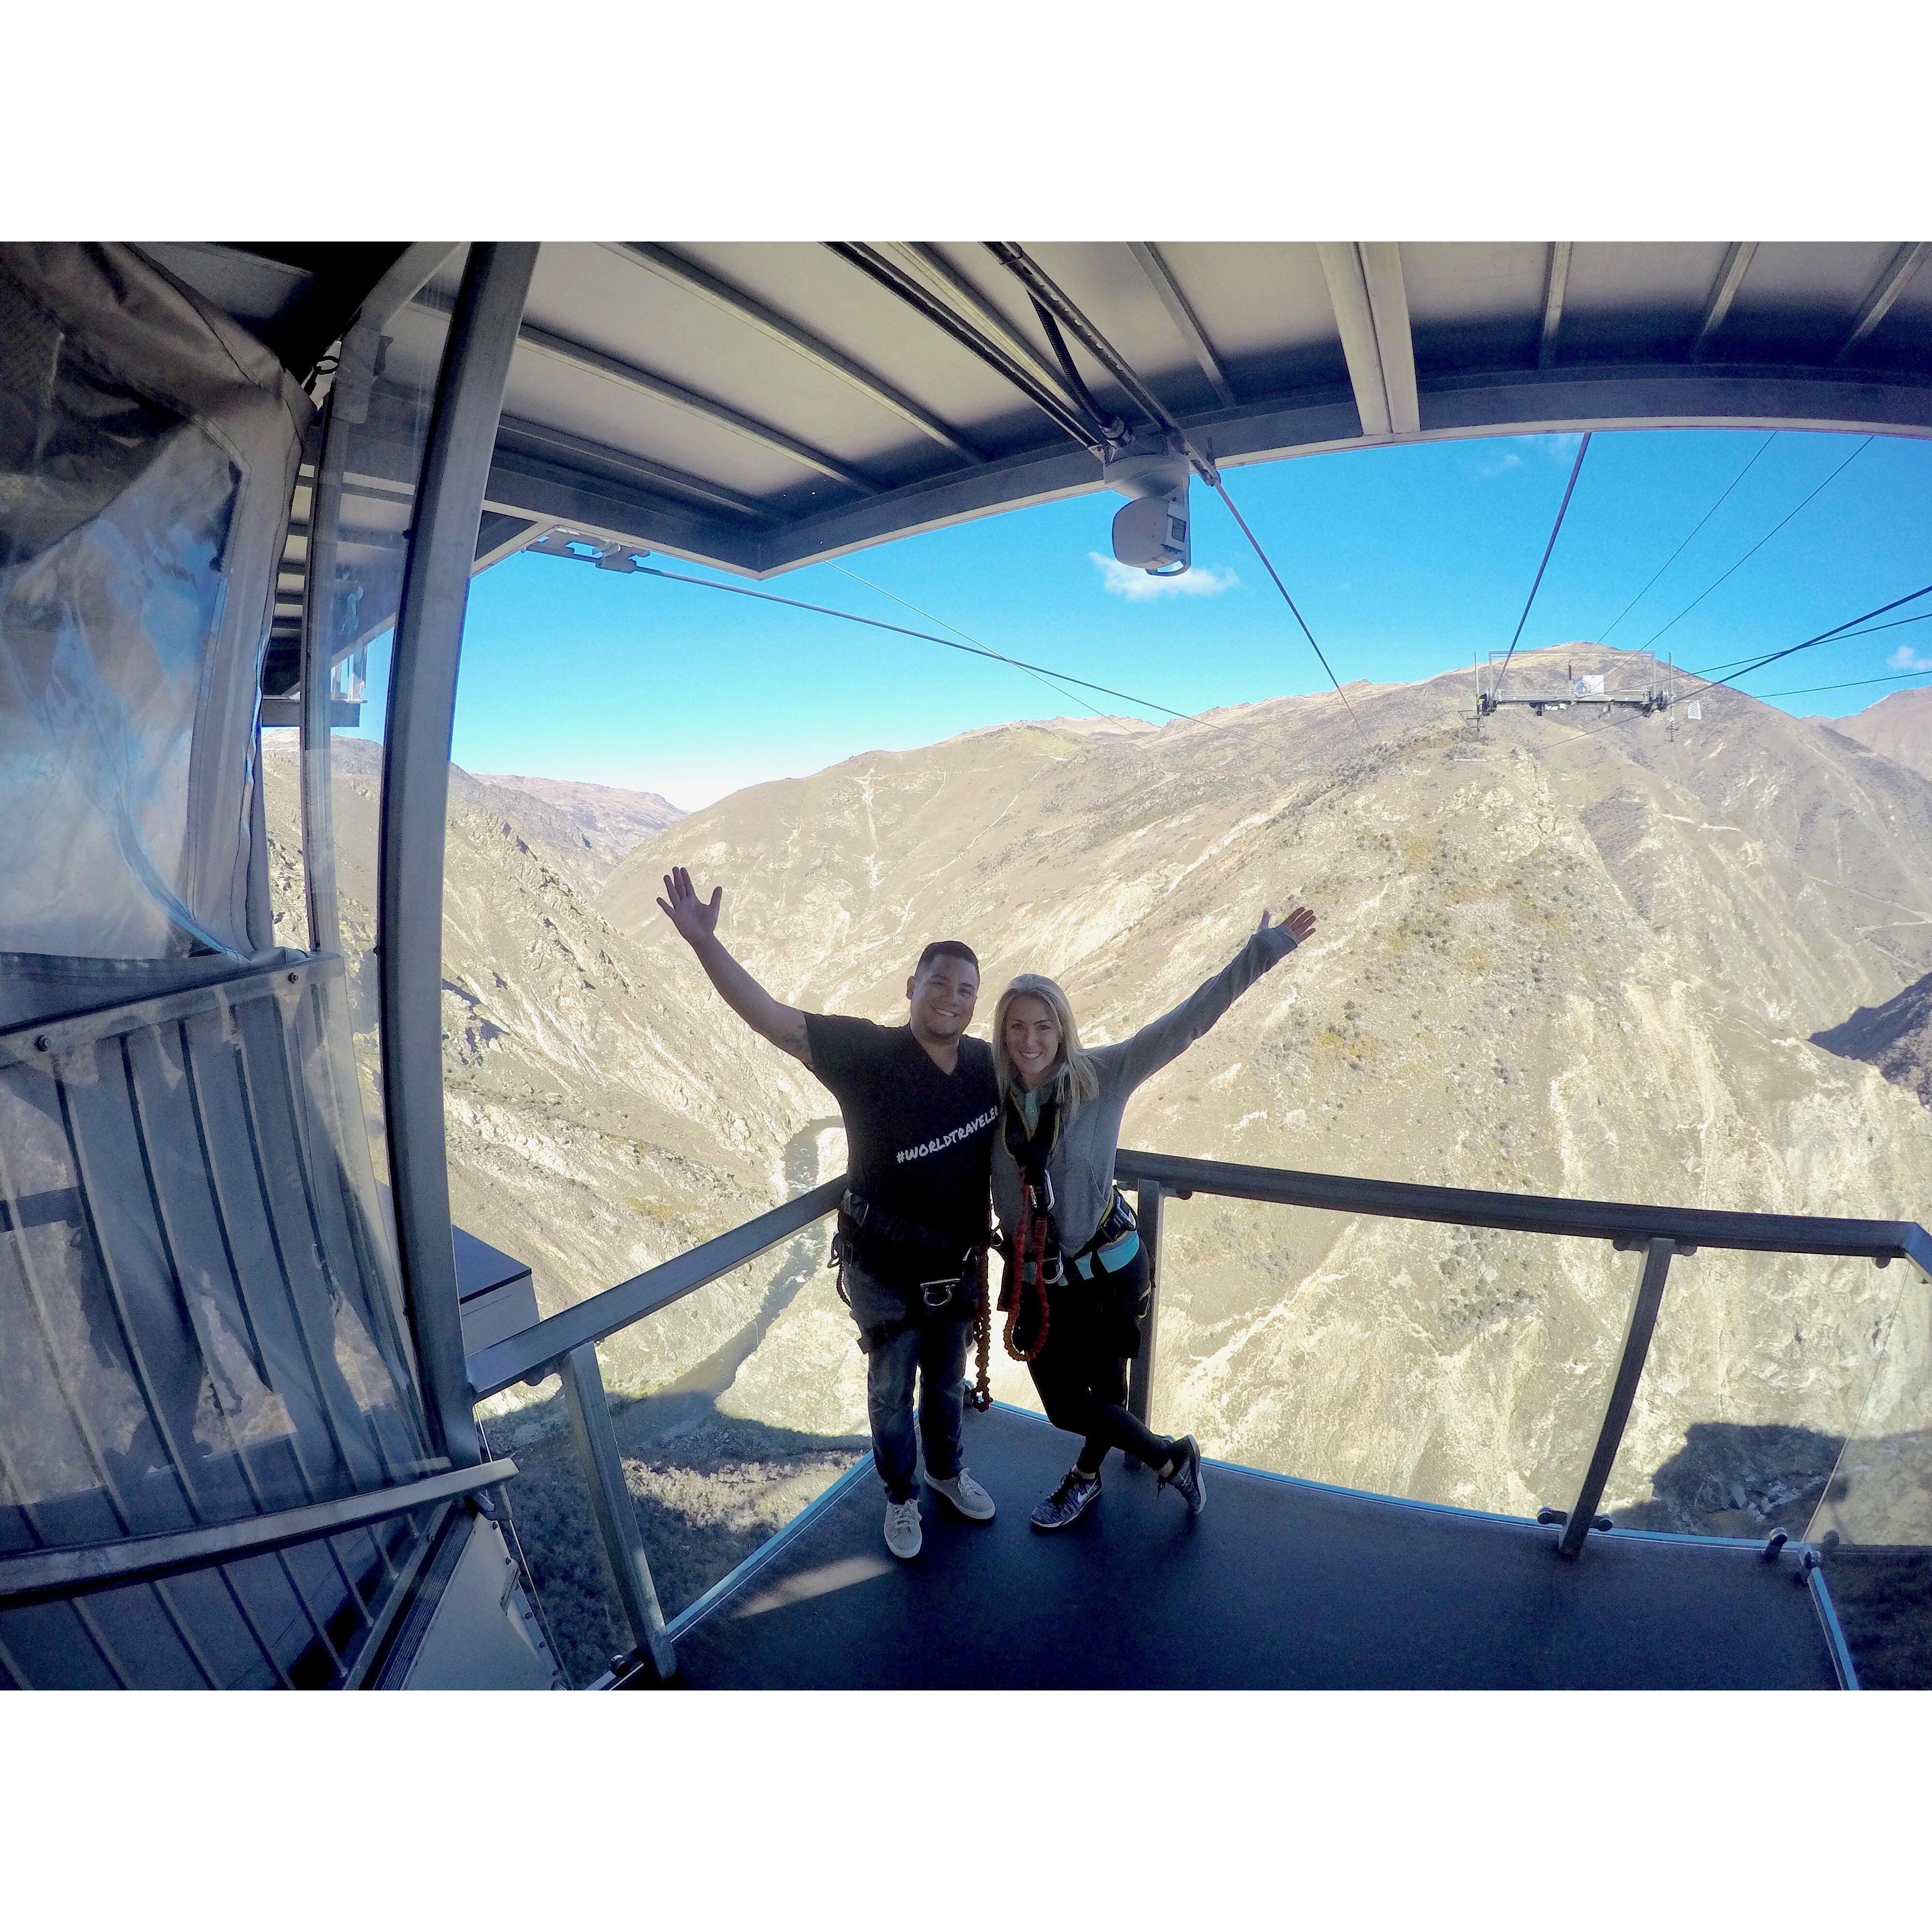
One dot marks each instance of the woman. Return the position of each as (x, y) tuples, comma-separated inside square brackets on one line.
[(1077, 1281)]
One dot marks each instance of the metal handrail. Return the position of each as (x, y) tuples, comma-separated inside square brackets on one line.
[(541, 1349), (73, 1569), (564, 1343), (1630, 1224)]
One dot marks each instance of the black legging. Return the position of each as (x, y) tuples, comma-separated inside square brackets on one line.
[(1082, 1377)]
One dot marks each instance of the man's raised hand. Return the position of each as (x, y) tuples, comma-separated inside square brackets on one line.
[(695, 918), (1299, 922)]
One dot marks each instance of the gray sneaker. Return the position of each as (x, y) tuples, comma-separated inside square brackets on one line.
[(902, 1536), (964, 1495), (1187, 1477), (1068, 1503)]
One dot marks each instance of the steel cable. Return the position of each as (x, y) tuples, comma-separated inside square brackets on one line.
[(1686, 544), (1041, 677), (1220, 489), (1050, 300), (1650, 642), (1897, 624), (900, 630), (1562, 510), (1835, 633)]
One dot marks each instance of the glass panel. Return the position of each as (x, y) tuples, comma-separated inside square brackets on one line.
[(1445, 1365), (1881, 1492), (1759, 1369), (554, 1533), (281, 807), (381, 405), (722, 1457)]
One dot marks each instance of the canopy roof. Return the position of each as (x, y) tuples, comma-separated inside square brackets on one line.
[(759, 405)]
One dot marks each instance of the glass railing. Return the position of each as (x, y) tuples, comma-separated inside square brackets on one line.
[(1517, 1383), (1758, 1371), (1465, 1367), (553, 1529)]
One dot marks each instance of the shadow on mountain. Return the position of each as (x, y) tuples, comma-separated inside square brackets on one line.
[(1738, 1479), (1896, 1038), (1745, 1479)]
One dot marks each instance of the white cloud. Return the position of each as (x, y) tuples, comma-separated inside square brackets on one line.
[(1487, 466), (1206, 580), (1906, 658)]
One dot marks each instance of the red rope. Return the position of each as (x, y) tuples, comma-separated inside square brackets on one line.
[(1036, 1231)]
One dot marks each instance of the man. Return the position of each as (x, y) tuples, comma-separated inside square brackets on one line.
[(920, 1102)]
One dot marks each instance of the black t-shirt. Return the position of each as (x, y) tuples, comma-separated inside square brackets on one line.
[(919, 1142)]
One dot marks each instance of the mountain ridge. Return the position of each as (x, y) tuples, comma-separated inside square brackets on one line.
[(1551, 959)]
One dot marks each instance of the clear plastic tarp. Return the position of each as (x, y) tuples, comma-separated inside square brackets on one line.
[(148, 452)]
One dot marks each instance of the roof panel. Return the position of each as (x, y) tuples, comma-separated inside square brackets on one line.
[(1264, 306), (1476, 304), (1799, 301), (603, 410), (1636, 300), (1108, 284), (828, 296), (591, 294)]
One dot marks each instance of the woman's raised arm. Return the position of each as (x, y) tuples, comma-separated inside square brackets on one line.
[(1146, 1052)]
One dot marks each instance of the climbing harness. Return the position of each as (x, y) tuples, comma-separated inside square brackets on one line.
[(928, 1269), (1027, 1265)]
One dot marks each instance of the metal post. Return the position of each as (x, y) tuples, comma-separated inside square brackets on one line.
[(415, 797), (1140, 1374), (318, 812), (1623, 1391), (610, 1503), (348, 406)]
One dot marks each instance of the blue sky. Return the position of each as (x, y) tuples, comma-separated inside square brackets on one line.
[(1404, 560)]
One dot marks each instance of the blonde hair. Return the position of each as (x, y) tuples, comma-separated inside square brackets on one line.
[(1074, 1079)]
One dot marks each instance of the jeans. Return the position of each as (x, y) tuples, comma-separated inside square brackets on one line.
[(934, 1351)]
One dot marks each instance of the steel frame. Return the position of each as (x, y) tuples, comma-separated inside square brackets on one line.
[(1564, 397), (75, 1569), (481, 338)]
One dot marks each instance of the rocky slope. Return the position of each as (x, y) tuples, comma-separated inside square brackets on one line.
[(1552, 957), (598, 1120), (1898, 727), (612, 821), (1549, 961)]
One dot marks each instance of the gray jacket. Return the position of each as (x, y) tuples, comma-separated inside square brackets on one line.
[(1081, 1167)]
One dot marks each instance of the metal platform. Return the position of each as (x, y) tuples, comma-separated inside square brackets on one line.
[(1279, 1584)]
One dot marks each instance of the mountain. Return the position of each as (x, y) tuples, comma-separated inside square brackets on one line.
[(1566, 954), (1898, 727), (611, 820), (1560, 956), (597, 1124)]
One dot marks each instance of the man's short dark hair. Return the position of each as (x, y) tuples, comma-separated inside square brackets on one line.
[(946, 949)]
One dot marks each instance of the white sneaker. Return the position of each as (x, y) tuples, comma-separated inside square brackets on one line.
[(965, 1496), (902, 1536)]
